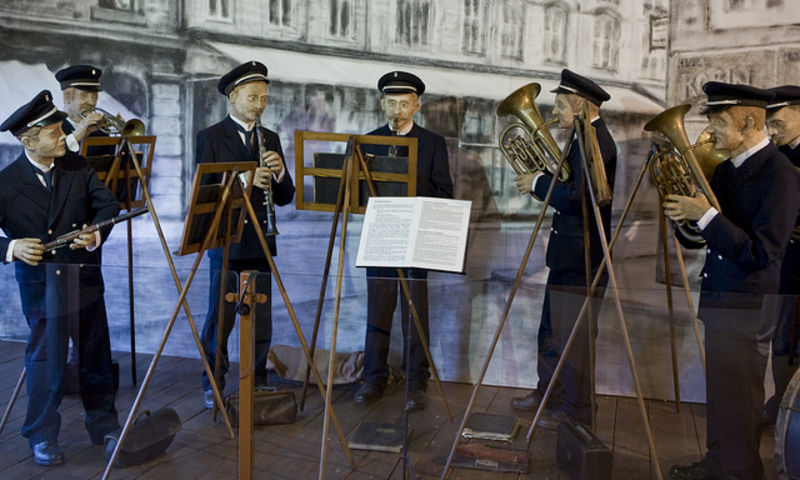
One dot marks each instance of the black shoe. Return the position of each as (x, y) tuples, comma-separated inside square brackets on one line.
[(416, 399), (695, 471), (48, 454), (368, 393), (551, 418), (528, 403)]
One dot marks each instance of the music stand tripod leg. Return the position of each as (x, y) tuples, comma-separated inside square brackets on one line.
[(323, 286), (223, 287), (180, 304), (670, 311), (690, 302), (503, 318), (12, 400), (618, 303), (293, 316)]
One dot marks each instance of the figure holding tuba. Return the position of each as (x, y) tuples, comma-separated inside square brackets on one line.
[(578, 99), (758, 192)]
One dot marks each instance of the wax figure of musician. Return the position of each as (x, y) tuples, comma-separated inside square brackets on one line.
[(757, 189), (783, 125), (233, 140), (565, 290), (45, 194), (400, 92), (80, 85)]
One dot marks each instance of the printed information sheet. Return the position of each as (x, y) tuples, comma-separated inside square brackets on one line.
[(415, 232)]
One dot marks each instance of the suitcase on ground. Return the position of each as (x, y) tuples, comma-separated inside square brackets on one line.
[(580, 454)]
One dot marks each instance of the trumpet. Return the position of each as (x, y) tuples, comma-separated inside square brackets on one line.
[(113, 125), (269, 222), (676, 170), (534, 149)]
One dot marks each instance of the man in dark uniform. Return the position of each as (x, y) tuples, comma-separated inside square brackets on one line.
[(400, 92), (565, 290), (757, 190), (80, 85), (783, 125), (234, 140), (45, 194)]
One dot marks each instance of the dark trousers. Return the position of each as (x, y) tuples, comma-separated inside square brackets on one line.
[(785, 348), (734, 383), (564, 296), (45, 362), (262, 311), (382, 292)]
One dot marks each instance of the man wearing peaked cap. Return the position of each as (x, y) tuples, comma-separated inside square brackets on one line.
[(783, 125), (80, 85), (565, 290), (757, 190), (400, 92), (45, 194), (234, 139)]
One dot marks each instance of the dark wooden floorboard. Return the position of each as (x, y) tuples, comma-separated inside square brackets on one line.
[(204, 450)]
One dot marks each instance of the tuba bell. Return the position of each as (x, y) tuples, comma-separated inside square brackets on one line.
[(534, 149), (677, 169)]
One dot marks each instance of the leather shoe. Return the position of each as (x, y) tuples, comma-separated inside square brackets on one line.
[(48, 454), (551, 418), (695, 471), (208, 398), (368, 393), (416, 400), (770, 412), (528, 403)]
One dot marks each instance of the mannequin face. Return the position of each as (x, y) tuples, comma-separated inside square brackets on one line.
[(726, 132), (49, 142), (400, 109), (784, 125), (249, 101), (77, 102), (564, 111)]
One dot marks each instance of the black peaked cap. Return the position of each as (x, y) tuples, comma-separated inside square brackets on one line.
[(39, 112)]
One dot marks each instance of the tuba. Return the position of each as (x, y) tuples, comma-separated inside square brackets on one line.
[(537, 150), (676, 169), (112, 125)]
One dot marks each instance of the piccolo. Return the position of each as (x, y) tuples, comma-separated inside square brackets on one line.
[(67, 238)]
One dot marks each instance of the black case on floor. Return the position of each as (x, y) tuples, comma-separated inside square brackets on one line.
[(580, 454)]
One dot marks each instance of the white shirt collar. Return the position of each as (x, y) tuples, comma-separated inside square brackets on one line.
[(405, 130), (738, 160), (42, 168), (72, 122), (794, 143), (241, 123)]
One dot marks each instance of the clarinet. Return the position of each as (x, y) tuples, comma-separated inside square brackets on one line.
[(269, 205)]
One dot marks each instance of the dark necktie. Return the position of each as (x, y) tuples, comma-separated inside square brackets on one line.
[(48, 180), (249, 137)]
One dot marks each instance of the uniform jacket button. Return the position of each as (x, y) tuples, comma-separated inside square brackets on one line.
[(245, 220), (708, 250), (50, 232), (719, 256), (58, 272), (705, 275)]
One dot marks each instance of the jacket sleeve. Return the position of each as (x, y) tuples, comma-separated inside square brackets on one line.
[(561, 199), (764, 243), (4, 241), (441, 182)]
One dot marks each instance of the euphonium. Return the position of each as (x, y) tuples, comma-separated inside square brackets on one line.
[(676, 170), (112, 125), (537, 152), (269, 222)]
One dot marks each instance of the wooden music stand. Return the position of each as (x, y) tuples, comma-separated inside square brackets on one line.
[(116, 171), (219, 197), (353, 171)]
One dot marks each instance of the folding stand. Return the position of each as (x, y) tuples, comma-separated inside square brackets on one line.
[(354, 168)]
